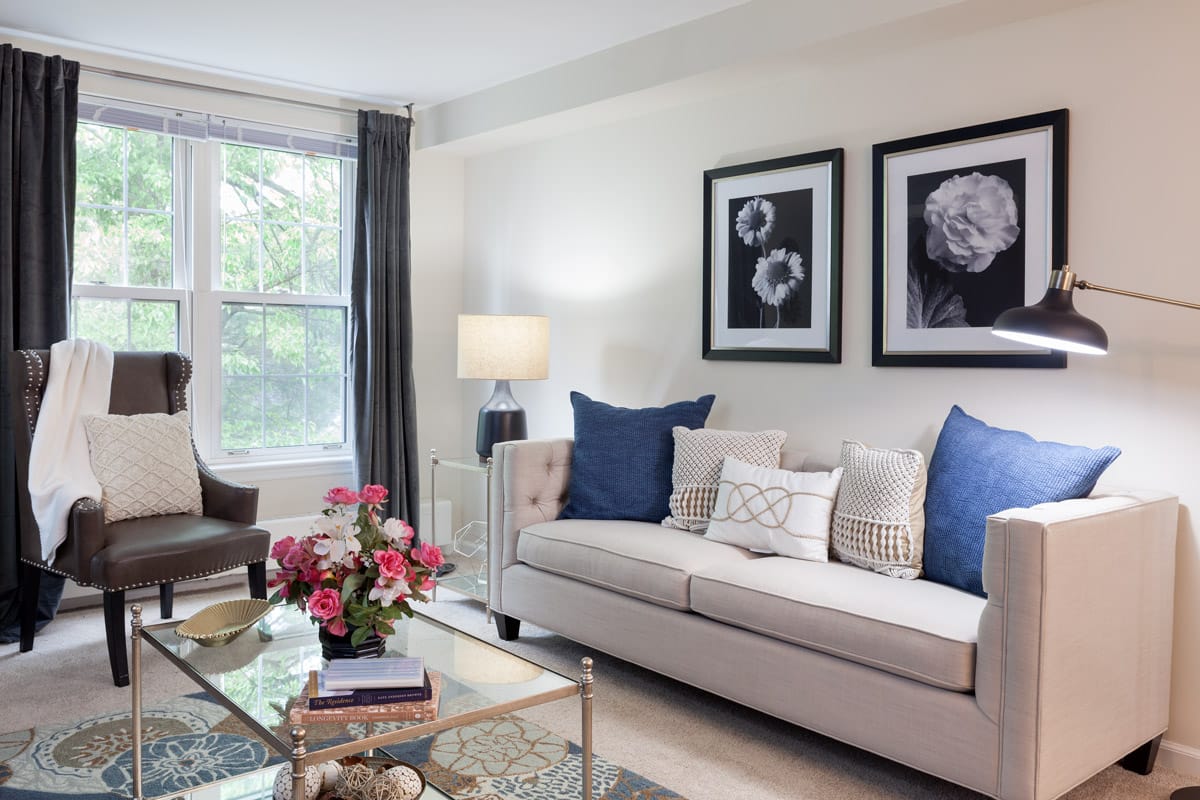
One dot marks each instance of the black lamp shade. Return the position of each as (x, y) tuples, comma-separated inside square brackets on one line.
[(1053, 323)]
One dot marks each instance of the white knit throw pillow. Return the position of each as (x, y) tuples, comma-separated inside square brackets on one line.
[(699, 455), (145, 464), (879, 519)]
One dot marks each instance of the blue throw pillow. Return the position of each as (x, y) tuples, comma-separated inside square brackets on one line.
[(623, 456), (978, 470)]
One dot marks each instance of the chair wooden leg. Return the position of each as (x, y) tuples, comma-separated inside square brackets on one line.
[(31, 581), (256, 573), (166, 599), (114, 629)]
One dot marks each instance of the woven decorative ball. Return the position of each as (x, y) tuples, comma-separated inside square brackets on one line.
[(283, 783), (330, 772), (354, 779), (407, 779)]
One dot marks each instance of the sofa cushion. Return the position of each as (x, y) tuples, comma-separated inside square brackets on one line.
[(917, 629), (621, 468), (637, 559), (977, 471)]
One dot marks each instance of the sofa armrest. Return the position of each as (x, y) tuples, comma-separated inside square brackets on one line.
[(529, 484), (1074, 657), (85, 527), (224, 499)]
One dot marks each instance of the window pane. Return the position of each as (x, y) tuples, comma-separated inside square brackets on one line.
[(102, 321), (326, 340), (325, 411), (282, 185), (281, 258), (323, 260), (241, 413), (239, 181), (239, 256), (150, 250), (285, 340), (285, 412), (153, 325), (99, 170), (241, 339), (323, 191), (150, 170), (99, 233)]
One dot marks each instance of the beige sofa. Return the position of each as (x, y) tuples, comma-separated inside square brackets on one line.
[(1063, 670)]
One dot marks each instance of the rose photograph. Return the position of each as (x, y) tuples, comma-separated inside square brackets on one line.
[(770, 253), (967, 224), (966, 261), (772, 259)]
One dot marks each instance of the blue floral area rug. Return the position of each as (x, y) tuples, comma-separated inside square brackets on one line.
[(191, 741)]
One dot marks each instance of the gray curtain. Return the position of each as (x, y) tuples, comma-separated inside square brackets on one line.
[(381, 316), (38, 109)]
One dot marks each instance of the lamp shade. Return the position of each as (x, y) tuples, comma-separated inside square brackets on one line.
[(1053, 323), (503, 347)]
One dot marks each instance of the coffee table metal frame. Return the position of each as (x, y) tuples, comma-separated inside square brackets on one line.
[(299, 754)]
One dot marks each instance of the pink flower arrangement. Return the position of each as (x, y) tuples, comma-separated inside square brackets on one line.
[(355, 572)]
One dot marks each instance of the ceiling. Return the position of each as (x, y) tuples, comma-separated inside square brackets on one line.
[(395, 51)]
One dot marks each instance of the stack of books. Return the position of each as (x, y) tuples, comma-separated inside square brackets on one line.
[(369, 690)]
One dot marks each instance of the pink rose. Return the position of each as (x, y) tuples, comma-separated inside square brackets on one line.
[(426, 584), (373, 494), (341, 496), (336, 626), (325, 604), (280, 548), (429, 555), (391, 564), (397, 530)]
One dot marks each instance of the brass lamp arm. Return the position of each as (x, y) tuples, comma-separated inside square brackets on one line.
[(1082, 284)]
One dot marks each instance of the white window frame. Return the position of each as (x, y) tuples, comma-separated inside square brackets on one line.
[(196, 275)]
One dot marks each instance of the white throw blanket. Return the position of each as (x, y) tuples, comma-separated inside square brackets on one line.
[(60, 470)]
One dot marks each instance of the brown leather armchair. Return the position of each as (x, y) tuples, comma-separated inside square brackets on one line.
[(134, 552)]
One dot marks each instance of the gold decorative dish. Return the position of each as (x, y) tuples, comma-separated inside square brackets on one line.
[(220, 623)]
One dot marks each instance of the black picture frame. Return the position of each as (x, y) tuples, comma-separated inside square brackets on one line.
[(750, 279), (966, 224)]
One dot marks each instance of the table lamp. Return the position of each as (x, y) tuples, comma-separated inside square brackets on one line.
[(1054, 323), (503, 348)]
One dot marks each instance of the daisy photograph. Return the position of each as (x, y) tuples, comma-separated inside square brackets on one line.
[(773, 259)]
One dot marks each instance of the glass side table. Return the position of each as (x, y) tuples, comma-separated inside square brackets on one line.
[(467, 546)]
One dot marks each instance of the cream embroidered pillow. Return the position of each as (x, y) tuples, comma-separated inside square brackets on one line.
[(145, 464), (879, 521), (699, 455), (774, 510)]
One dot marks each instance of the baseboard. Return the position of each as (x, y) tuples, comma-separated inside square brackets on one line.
[(1179, 757)]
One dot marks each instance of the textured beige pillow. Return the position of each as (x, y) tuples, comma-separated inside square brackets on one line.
[(145, 464), (699, 455), (774, 510), (879, 520)]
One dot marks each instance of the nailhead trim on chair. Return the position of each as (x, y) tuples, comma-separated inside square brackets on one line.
[(139, 585), (33, 366), (185, 376)]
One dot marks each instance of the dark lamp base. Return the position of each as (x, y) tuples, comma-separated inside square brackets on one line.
[(498, 426)]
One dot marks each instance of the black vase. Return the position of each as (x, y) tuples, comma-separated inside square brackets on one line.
[(334, 646)]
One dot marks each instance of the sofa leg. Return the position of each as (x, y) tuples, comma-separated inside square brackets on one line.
[(508, 628), (31, 582), (1142, 760), (256, 575), (166, 599), (114, 630)]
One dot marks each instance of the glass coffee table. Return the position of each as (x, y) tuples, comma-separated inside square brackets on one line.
[(259, 675)]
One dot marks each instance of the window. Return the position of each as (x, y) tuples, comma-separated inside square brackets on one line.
[(236, 252)]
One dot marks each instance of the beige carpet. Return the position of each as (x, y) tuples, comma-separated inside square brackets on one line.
[(693, 742)]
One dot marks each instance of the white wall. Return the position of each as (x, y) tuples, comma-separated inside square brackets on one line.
[(601, 230)]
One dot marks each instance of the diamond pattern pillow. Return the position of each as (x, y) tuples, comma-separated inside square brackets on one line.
[(879, 519), (699, 455), (145, 464)]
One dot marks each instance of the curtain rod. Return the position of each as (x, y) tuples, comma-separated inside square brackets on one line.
[(200, 87)]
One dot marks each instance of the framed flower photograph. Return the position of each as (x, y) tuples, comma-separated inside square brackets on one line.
[(968, 223), (773, 260)]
